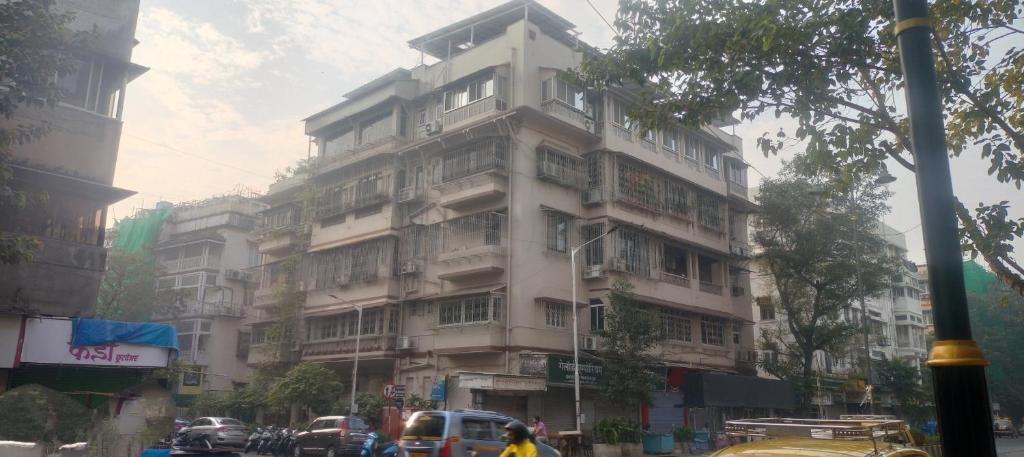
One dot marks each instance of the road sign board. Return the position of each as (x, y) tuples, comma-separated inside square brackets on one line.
[(399, 391), (389, 391)]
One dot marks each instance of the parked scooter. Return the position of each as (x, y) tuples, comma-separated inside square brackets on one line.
[(266, 438), (254, 439), (183, 442), (285, 444)]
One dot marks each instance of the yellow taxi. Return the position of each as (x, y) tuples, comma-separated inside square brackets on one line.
[(859, 436)]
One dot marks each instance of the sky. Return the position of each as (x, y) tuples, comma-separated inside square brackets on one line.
[(220, 109)]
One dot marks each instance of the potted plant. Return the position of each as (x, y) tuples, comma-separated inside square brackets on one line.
[(684, 439), (631, 436), (606, 437)]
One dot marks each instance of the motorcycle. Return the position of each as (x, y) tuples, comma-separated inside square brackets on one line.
[(373, 447), (286, 443), (254, 440), (183, 442), (265, 439)]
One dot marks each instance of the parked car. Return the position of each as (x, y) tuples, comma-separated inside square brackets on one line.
[(222, 431), (458, 433), (1003, 428), (332, 436), (180, 424)]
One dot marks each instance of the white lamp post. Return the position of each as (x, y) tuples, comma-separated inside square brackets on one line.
[(575, 326)]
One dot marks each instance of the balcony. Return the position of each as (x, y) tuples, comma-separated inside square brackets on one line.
[(279, 240), (569, 115), (190, 263), (346, 348), (670, 278), (410, 194), (711, 288), (346, 204), (736, 189), (62, 279), (472, 262), (473, 173)]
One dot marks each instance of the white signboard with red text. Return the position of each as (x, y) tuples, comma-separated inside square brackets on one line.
[(49, 341)]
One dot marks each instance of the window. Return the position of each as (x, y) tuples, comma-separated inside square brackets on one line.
[(650, 136), (620, 113), (258, 335), (692, 147), (709, 211), (593, 253), (468, 310), (558, 226), (338, 144), (675, 261), (670, 140), (706, 267), (677, 199), (712, 158), (566, 93), (712, 331), (559, 168), (632, 252), (675, 325), (556, 314), (768, 311), (483, 156), (897, 292), (737, 172), (467, 93), (597, 315), (477, 429)]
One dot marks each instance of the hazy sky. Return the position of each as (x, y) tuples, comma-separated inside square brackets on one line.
[(230, 80)]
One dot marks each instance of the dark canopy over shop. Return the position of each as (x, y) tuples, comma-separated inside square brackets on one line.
[(726, 390)]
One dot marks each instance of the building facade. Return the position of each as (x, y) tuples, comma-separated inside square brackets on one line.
[(897, 331), (443, 204), (69, 176), (206, 252)]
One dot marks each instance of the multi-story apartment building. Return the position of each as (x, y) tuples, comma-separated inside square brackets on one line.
[(69, 175), (206, 252), (896, 332), (448, 198), (926, 299)]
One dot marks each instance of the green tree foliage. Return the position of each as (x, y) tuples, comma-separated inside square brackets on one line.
[(632, 331), (36, 46), (814, 246), (832, 66), (285, 314), (371, 407), (309, 385), (903, 381), (997, 317), (128, 291), (35, 413)]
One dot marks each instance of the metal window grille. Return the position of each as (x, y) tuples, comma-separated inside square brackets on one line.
[(354, 193), (709, 211), (365, 261), (560, 168), (631, 251), (675, 325), (593, 253), (559, 231), (595, 171), (556, 314), (677, 199), (475, 230), (638, 186), (712, 331), (471, 309), (487, 155)]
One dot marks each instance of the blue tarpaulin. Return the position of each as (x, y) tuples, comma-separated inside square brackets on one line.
[(94, 332)]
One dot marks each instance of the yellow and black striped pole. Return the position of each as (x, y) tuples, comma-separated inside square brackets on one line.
[(957, 364)]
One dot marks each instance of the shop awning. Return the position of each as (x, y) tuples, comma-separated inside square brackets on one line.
[(725, 390), (501, 382)]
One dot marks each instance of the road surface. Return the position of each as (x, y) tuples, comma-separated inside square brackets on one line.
[(1010, 447)]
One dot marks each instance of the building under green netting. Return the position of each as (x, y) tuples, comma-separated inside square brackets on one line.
[(138, 234), (977, 279)]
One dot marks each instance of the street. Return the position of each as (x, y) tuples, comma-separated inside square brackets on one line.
[(1010, 447)]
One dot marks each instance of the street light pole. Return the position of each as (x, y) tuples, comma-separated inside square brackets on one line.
[(575, 327), (355, 363), (957, 363)]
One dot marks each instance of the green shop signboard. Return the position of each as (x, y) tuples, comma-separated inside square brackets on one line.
[(561, 368)]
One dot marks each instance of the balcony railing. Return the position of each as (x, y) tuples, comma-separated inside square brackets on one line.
[(622, 132), (347, 346), (675, 279), (737, 189), (472, 110), (560, 109), (410, 193), (189, 263), (711, 288)]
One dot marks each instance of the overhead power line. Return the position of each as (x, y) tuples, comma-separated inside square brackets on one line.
[(609, 24)]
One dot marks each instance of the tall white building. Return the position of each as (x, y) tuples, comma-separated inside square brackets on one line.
[(448, 197), (897, 331)]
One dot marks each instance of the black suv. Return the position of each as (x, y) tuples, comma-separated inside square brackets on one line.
[(332, 436)]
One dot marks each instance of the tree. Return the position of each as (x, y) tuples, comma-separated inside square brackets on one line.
[(632, 331), (820, 252), (997, 315), (128, 289), (832, 67), (308, 385), (35, 46), (904, 382)]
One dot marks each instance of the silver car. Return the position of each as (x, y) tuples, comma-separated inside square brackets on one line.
[(457, 433), (221, 431)]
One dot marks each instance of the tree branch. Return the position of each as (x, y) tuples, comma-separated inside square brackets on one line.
[(1015, 281)]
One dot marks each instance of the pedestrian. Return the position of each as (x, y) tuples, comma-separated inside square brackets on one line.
[(519, 444), (540, 430)]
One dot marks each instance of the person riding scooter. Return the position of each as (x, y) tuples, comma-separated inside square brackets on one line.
[(520, 442)]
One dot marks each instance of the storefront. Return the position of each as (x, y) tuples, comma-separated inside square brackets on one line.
[(713, 398), (502, 393)]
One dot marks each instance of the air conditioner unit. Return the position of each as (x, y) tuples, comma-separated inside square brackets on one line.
[(593, 196), (593, 271), (410, 267), (234, 275), (433, 128), (589, 343), (405, 343)]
